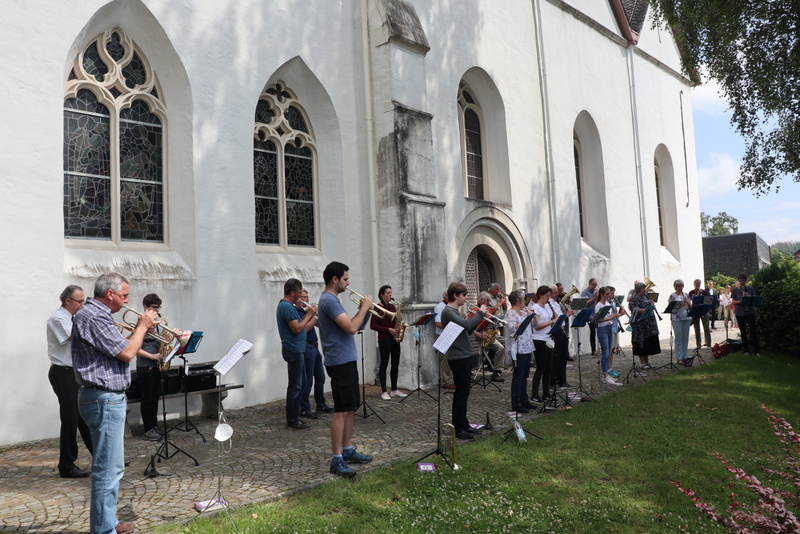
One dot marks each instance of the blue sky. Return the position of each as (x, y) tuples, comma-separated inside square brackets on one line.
[(774, 217)]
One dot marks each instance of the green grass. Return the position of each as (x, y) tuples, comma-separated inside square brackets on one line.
[(604, 466)]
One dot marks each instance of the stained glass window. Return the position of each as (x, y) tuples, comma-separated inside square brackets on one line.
[(113, 187), (284, 171), (473, 148)]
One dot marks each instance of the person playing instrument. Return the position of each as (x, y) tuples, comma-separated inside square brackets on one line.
[(700, 292), (543, 353), (459, 356), (644, 331), (62, 378), (520, 344), (489, 337), (632, 292), (591, 294), (312, 363), (337, 331), (714, 293), (725, 307), (387, 346), (292, 326), (445, 374), (100, 356), (680, 323), (605, 334), (745, 315), (561, 340), (148, 376)]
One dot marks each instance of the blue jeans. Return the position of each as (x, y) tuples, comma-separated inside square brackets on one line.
[(606, 338), (104, 413), (519, 381), (296, 369), (314, 375), (681, 329)]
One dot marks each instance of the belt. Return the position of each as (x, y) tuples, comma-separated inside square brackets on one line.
[(314, 343), (101, 388)]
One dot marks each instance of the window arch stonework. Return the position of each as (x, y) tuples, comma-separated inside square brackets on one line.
[(284, 171), (114, 145)]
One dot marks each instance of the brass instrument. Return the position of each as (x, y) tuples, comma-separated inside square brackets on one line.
[(489, 335), (447, 444), (568, 294), (474, 308), (180, 335), (305, 305), (399, 325), (164, 350), (648, 289), (375, 310), (129, 328)]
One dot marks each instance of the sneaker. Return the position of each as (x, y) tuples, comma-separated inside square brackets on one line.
[(613, 373), (611, 382), (324, 409), (758, 354), (536, 399), (449, 386), (565, 386), (356, 457), (154, 434), (463, 434), (647, 366), (398, 393), (309, 415), (299, 425), (385, 396), (339, 467), (472, 430)]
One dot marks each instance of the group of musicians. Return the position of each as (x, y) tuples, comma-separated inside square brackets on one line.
[(90, 357)]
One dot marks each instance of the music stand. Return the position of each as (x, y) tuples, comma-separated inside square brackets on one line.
[(754, 301), (699, 310), (636, 369), (670, 309), (425, 319), (552, 402), (364, 402), (163, 451), (189, 348), (580, 321), (224, 365)]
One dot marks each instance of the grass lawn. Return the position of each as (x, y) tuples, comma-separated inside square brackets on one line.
[(604, 466)]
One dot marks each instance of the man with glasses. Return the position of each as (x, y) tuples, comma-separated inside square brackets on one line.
[(292, 329), (62, 379), (100, 356), (148, 374)]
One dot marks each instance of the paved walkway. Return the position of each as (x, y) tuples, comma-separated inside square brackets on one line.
[(265, 461)]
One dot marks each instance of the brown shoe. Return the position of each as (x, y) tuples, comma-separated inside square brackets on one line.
[(124, 527), (497, 378)]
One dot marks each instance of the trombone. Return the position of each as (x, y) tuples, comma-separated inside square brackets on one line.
[(375, 310)]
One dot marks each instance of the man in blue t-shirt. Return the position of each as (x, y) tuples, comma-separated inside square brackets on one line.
[(292, 329), (336, 330)]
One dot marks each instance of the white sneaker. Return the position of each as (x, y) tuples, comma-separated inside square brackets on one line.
[(611, 382), (398, 393), (385, 396)]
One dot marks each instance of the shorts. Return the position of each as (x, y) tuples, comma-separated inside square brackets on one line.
[(344, 386)]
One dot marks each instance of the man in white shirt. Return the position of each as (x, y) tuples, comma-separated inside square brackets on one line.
[(62, 379)]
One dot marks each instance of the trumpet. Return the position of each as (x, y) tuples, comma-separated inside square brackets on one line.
[(305, 305), (129, 328), (375, 310), (181, 335), (568, 294)]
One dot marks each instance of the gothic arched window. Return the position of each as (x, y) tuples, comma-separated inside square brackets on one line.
[(284, 156), (472, 143), (113, 145)]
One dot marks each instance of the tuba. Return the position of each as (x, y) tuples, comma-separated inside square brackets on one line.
[(399, 325), (568, 294), (648, 289)]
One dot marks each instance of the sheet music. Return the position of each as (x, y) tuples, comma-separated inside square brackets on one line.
[(168, 357), (446, 338), (227, 362)]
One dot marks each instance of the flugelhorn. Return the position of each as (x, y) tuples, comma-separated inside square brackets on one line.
[(375, 310), (181, 335), (568, 294)]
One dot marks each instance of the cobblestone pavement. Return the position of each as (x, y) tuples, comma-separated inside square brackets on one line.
[(266, 458)]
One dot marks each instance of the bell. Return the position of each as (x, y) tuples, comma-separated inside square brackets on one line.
[(224, 432)]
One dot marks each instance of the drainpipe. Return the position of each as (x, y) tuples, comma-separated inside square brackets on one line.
[(637, 149), (371, 179), (547, 134)]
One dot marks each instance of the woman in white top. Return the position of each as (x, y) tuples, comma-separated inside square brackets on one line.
[(605, 333), (681, 323), (725, 308), (543, 354), (523, 343)]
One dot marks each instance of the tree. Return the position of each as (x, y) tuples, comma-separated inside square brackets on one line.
[(752, 49), (720, 224)]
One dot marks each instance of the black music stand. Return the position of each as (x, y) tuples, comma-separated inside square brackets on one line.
[(163, 452), (191, 347), (552, 402), (364, 402), (670, 309), (425, 319), (579, 321), (699, 310)]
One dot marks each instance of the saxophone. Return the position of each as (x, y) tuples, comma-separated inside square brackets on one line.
[(164, 350), (399, 325)]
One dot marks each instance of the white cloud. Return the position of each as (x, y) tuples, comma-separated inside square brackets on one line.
[(717, 174), (707, 99)]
